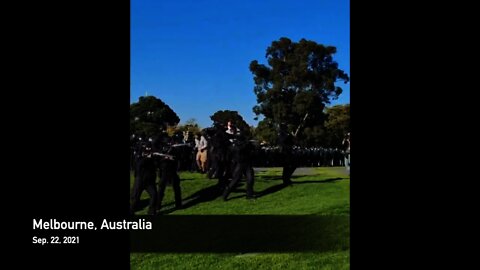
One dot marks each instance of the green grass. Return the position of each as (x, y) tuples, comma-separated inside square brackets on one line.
[(327, 192)]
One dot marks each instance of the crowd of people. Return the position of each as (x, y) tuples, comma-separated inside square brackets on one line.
[(270, 156), (221, 152)]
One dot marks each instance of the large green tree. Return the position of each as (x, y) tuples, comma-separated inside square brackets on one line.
[(150, 115), (337, 124), (266, 132), (191, 125), (299, 80)]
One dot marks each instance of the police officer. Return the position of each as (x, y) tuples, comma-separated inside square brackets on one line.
[(242, 150), (167, 164), (145, 176), (220, 155), (285, 142), (346, 146)]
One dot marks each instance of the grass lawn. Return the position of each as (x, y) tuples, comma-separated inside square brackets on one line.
[(325, 192)]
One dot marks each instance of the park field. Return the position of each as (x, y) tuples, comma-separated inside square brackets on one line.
[(316, 191)]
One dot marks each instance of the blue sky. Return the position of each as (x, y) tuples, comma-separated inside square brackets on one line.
[(194, 55)]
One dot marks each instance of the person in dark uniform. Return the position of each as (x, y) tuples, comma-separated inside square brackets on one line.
[(346, 146), (167, 164), (220, 153), (145, 176), (286, 142), (242, 150), (133, 144)]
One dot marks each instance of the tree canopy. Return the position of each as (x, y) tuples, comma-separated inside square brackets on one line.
[(337, 124), (223, 116), (299, 80), (191, 125), (151, 115)]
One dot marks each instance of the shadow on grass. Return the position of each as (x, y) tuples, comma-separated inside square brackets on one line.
[(214, 191), (318, 181), (262, 193), (276, 177), (205, 195), (276, 188), (142, 204)]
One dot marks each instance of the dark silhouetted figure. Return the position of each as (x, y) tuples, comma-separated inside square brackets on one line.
[(167, 165), (346, 145), (242, 151), (145, 176), (219, 155), (285, 142)]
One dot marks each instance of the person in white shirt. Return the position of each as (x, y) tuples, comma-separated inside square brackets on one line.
[(201, 145)]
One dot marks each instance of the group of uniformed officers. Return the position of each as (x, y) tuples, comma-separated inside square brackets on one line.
[(221, 152), (149, 156)]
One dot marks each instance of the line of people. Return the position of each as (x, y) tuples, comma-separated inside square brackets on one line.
[(154, 156), (223, 153)]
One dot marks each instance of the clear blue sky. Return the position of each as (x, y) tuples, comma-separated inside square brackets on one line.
[(194, 55)]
